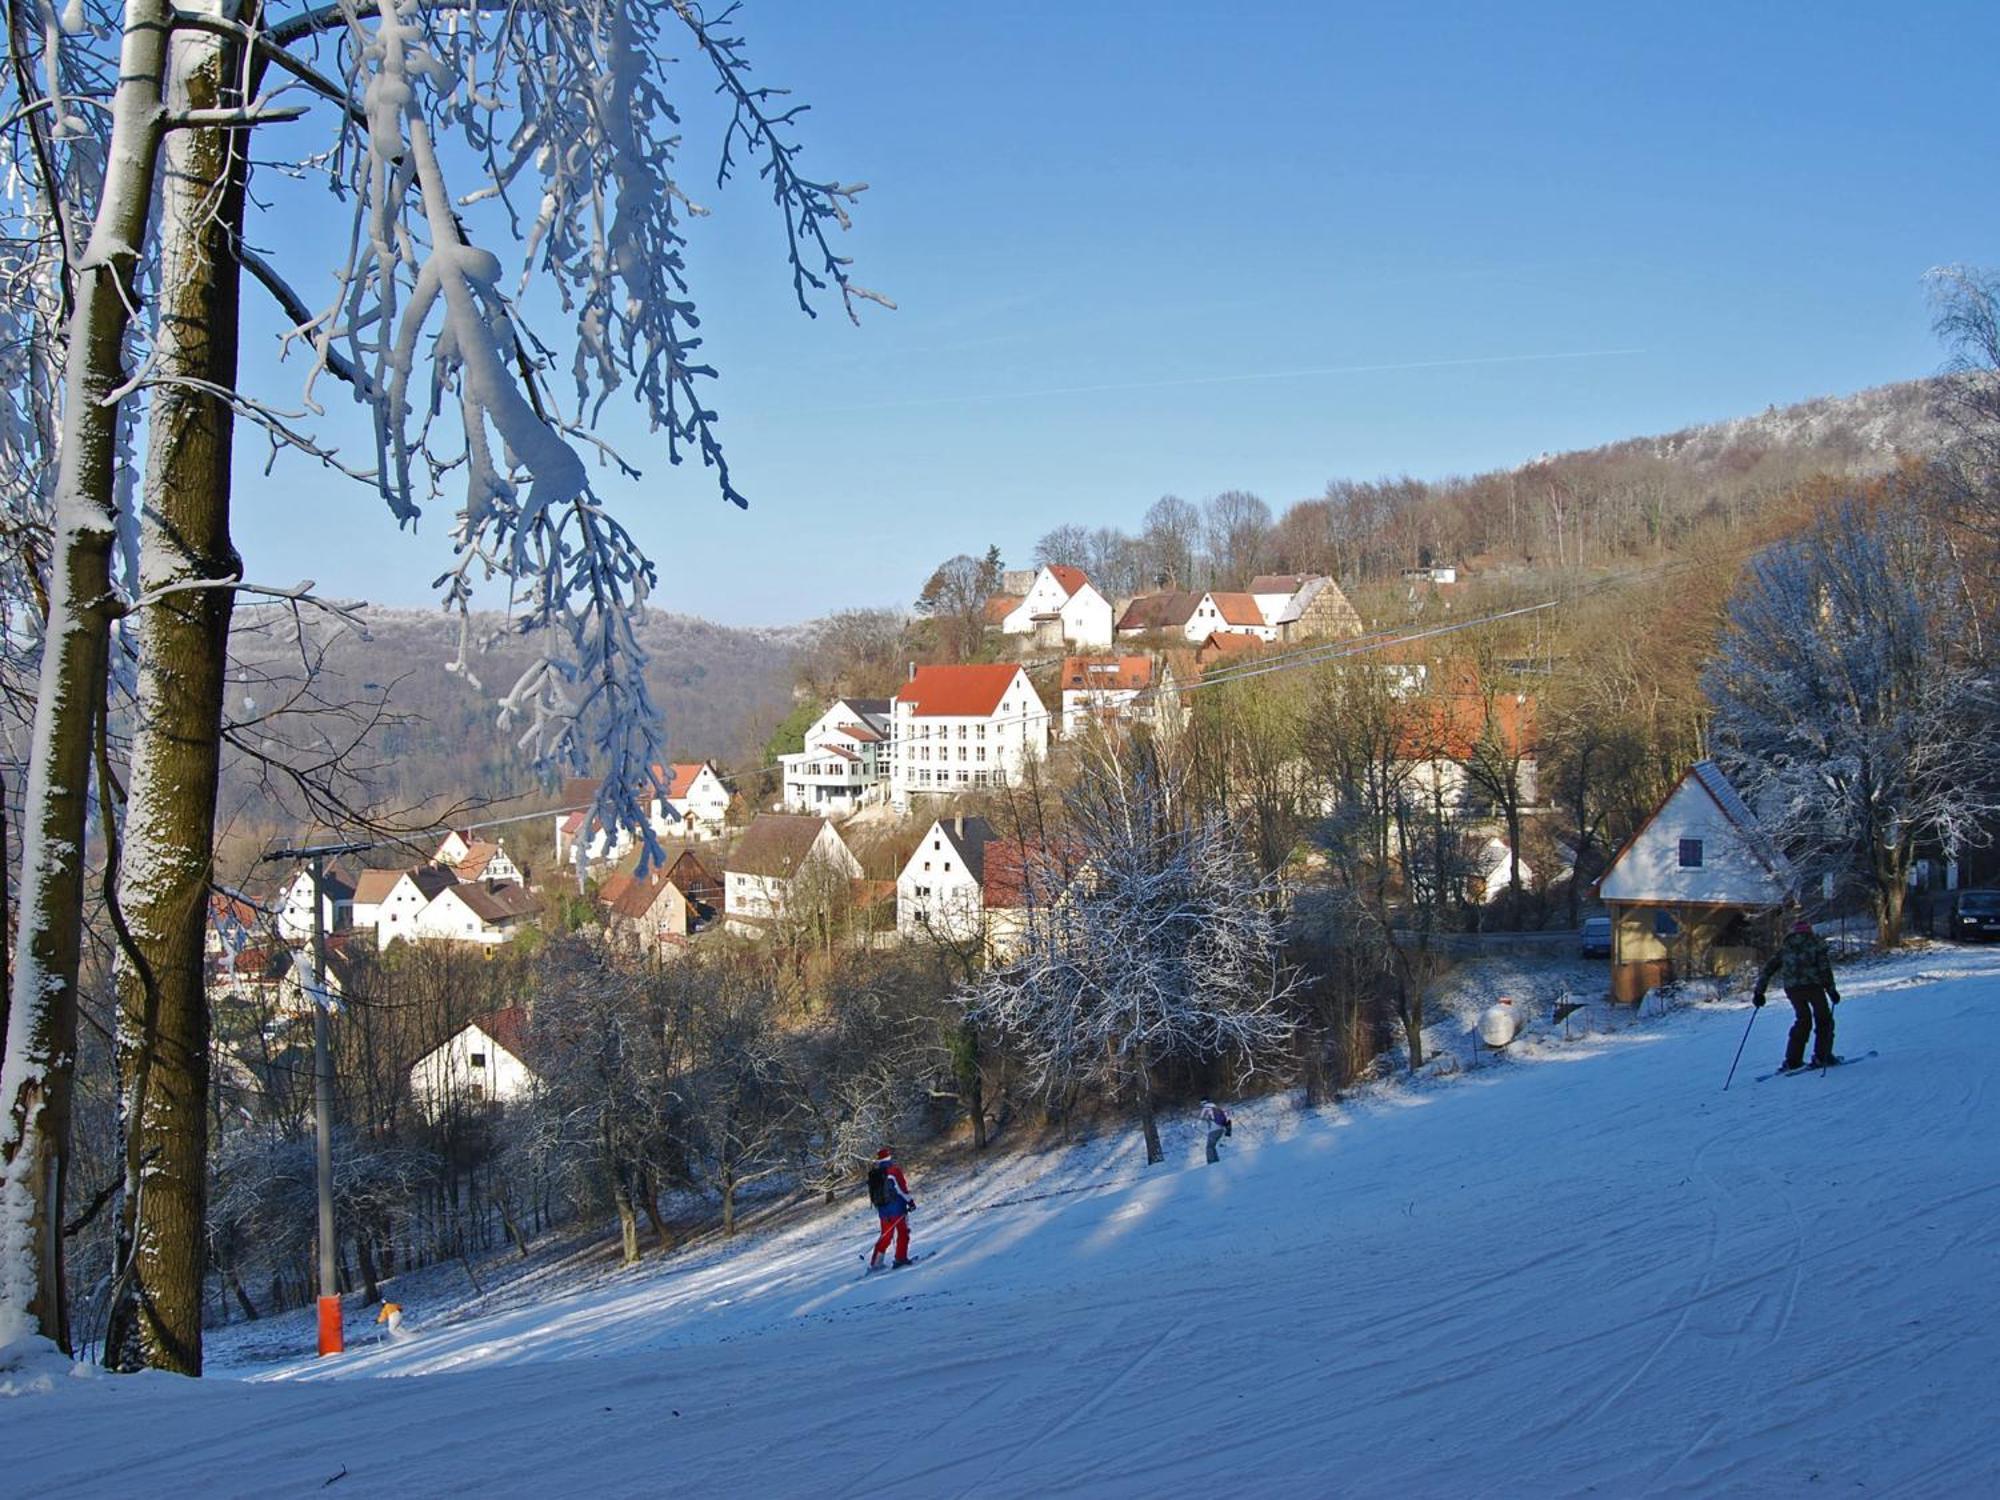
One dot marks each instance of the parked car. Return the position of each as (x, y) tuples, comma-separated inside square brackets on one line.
[(1975, 915), (1596, 937)]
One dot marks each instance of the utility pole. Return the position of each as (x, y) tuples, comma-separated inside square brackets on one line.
[(332, 1336)]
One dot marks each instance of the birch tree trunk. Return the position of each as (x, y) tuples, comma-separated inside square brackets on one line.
[(35, 1083), (163, 1020)]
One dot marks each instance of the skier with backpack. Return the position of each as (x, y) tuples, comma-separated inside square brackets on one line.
[(1805, 969), (1216, 1118), (889, 1191)]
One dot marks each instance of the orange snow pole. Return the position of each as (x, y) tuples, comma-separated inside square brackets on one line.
[(331, 1339)]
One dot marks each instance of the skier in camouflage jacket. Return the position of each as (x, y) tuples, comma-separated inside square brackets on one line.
[(1805, 969)]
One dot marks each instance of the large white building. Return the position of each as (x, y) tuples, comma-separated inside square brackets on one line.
[(845, 763), (963, 729), (1061, 606)]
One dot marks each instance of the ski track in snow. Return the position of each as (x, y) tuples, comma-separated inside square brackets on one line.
[(1581, 1270)]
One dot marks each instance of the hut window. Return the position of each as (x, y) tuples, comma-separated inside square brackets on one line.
[(1690, 854)]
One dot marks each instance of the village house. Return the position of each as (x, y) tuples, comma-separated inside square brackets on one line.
[(1019, 879), (1698, 889), (940, 891), (1195, 617), (845, 763), (295, 904), (479, 1065), (470, 858), (659, 912), (1060, 606), (1108, 690), (274, 982), (485, 912), (782, 860), (964, 728), (1437, 737), (234, 921), (697, 793), (579, 793), (1301, 607), (390, 901)]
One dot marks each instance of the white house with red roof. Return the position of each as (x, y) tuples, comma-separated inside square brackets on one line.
[(965, 728), (1061, 606), (1196, 617), (472, 858), (1109, 690), (695, 807), (845, 763), (697, 792)]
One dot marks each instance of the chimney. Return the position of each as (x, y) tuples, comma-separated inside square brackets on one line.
[(913, 672), (958, 826)]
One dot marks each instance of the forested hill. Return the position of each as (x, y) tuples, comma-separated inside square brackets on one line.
[(720, 689)]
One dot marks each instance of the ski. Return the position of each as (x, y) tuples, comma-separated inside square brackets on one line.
[(868, 1270), (1845, 1062)]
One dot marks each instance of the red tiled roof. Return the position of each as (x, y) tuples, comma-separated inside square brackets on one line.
[(958, 692), (1106, 673), (1070, 578), (1000, 606), (1450, 727), (1015, 870), (679, 777), (1227, 643), (861, 734), (478, 855), (1239, 609), (508, 1027)]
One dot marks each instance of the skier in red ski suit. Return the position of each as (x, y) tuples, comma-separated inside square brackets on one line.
[(894, 1212)]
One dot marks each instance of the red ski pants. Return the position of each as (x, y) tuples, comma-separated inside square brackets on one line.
[(897, 1229)]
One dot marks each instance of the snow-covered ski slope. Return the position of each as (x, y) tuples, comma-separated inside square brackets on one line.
[(1585, 1270)]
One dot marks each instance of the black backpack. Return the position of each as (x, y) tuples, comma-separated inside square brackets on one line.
[(878, 1184)]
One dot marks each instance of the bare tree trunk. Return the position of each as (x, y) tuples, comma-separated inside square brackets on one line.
[(628, 1214), (35, 1084), (163, 1003), (1149, 1121), (371, 1289), (649, 1199), (242, 1297)]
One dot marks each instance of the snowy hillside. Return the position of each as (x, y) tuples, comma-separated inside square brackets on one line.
[(1584, 1269)]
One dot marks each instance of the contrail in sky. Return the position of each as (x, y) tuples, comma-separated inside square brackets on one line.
[(1198, 380)]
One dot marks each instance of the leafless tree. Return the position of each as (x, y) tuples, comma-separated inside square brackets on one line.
[(1159, 942), (1851, 705), (1237, 526), (1170, 543)]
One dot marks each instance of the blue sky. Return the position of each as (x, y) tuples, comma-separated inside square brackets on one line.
[(1142, 249)]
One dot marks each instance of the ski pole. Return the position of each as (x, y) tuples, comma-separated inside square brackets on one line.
[(1739, 1048)]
